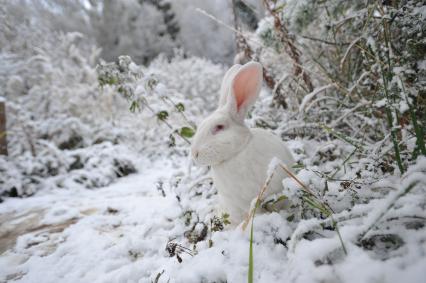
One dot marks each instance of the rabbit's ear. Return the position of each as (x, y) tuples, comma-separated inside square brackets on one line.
[(245, 88), (226, 82)]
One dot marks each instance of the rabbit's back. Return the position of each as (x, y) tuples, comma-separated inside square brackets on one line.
[(240, 178)]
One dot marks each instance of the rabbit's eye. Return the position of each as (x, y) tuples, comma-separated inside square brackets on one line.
[(217, 129)]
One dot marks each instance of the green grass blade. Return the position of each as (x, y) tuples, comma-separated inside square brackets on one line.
[(251, 263)]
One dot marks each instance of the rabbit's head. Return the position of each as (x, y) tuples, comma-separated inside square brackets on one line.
[(223, 134)]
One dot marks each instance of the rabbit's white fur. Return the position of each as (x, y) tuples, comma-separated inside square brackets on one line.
[(239, 156)]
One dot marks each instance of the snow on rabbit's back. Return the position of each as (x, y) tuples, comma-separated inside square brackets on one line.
[(239, 156)]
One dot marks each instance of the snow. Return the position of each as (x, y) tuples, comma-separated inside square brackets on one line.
[(96, 243), (119, 234), (273, 164), (422, 64)]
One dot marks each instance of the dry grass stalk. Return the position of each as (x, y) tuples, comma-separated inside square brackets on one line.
[(288, 44), (258, 199)]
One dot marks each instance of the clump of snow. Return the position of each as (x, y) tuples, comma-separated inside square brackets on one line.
[(273, 165)]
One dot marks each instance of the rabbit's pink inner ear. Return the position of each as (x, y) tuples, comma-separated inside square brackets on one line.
[(247, 84)]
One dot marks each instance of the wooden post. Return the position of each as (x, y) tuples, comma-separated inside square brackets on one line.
[(3, 140)]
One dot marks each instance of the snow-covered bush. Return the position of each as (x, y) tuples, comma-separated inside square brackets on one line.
[(57, 119), (52, 168), (178, 92), (363, 70)]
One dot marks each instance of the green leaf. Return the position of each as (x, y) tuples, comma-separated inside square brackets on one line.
[(152, 83), (186, 132), (281, 198), (107, 80), (134, 106), (225, 218), (162, 115), (298, 166), (180, 107), (172, 141), (279, 8)]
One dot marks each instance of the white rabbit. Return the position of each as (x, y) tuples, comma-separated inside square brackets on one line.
[(239, 157)]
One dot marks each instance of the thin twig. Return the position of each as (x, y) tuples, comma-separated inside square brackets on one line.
[(324, 41), (259, 197), (389, 206), (165, 122)]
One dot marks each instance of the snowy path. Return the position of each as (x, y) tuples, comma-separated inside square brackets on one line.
[(119, 234), (87, 235)]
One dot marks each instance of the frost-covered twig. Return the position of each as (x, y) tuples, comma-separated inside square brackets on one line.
[(348, 112), (145, 103), (199, 181), (342, 137), (309, 96), (324, 41), (288, 44), (218, 21), (389, 203), (317, 203), (355, 41), (306, 226), (180, 108), (135, 86)]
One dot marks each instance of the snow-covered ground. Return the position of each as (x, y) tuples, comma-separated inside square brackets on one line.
[(120, 233)]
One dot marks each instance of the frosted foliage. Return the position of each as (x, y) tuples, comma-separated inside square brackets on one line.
[(131, 27), (51, 169), (198, 79)]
